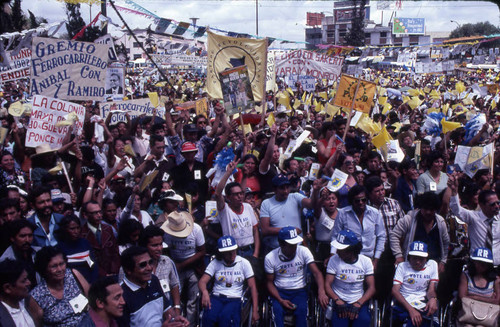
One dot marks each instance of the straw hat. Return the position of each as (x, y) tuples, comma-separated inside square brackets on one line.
[(178, 224), (42, 149)]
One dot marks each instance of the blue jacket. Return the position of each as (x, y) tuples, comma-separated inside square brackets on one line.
[(39, 237)]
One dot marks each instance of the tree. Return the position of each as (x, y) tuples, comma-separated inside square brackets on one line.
[(76, 23), (5, 17), (356, 34), (18, 18), (483, 28), (34, 21)]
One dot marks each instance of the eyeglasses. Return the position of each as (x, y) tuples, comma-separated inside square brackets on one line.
[(93, 213), (237, 193), (348, 162), (144, 264), (496, 203), (202, 122), (361, 200)]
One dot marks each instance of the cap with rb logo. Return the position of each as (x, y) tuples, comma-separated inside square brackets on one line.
[(226, 243), (345, 238), (289, 235), (482, 254), (418, 249)]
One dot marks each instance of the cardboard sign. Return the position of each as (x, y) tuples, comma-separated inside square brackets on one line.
[(67, 69), (133, 107), (14, 74), (45, 114), (21, 60)]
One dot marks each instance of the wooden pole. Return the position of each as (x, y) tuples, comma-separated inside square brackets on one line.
[(67, 177)]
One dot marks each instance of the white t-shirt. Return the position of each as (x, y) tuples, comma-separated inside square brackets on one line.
[(184, 248), (239, 226), (229, 281), (349, 277), (324, 227), (414, 284), (288, 274)]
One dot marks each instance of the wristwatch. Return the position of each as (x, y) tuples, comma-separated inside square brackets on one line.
[(177, 306)]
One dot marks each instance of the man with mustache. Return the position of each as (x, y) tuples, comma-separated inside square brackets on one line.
[(44, 219)]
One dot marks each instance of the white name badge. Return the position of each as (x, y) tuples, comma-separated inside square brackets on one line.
[(197, 174), (328, 223), (20, 179), (165, 177), (164, 285), (433, 186), (78, 303)]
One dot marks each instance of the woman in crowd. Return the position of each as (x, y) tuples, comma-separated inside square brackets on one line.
[(325, 214), (229, 273), (60, 298), (77, 249), (247, 175), (128, 234), (345, 163), (9, 174), (346, 274), (479, 282), (327, 142), (414, 289), (133, 209), (434, 179)]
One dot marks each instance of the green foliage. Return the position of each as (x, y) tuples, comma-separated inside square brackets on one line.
[(76, 23), (483, 28), (356, 35), (18, 19)]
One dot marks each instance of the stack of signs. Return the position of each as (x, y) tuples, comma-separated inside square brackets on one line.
[(236, 90)]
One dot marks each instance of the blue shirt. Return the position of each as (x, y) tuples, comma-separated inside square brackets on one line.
[(372, 233)]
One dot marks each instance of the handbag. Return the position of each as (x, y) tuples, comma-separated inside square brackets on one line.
[(479, 313)]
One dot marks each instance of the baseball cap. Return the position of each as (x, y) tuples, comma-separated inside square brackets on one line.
[(345, 238), (418, 249), (226, 243), (190, 128), (289, 235), (482, 254), (188, 147), (56, 195), (280, 180)]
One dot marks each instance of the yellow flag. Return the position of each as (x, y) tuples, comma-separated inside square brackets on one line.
[(435, 95), (309, 99), (347, 88), (382, 138), (289, 90), (304, 96), (406, 98), (283, 98), (449, 125), (319, 106), (431, 110), (381, 91), (153, 97), (296, 104), (460, 87), (16, 109), (331, 109), (382, 100), (270, 120), (386, 108), (414, 102), (413, 92), (229, 52), (366, 124), (323, 95)]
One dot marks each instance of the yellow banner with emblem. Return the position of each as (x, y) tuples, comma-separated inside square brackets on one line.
[(353, 89)]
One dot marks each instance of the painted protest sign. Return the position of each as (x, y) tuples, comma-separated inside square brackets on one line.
[(21, 60), (301, 62), (307, 82), (46, 112), (133, 107), (14, 74), (108, 40), (180, 60), (68, 69)]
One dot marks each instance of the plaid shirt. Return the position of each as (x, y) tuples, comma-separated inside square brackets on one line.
[(391, 212)]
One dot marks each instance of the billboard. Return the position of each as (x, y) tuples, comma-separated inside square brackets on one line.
[(314, 18), (408, 26), (347, 14)]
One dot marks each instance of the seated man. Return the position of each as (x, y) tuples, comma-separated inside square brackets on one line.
[(286, 277), (414, 289), (146, 304)]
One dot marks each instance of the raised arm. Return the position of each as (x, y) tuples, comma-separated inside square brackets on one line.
[(266, 161), (222, 183)]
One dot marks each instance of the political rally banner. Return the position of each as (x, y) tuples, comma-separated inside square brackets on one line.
[(271, 73), (14, 74), (349, 91), (308, 82), (46, 113), (108, 40), (133, 107), (229, 52), (67, 69), (21, 60), (180, 60), (302, 62)]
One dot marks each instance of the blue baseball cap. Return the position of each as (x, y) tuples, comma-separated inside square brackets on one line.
[(482, 254), (289, 235), (345, 238), (280, 180), (226, 243), (418, 249)]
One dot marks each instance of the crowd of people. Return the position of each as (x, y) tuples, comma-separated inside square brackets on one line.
[(165, 219)]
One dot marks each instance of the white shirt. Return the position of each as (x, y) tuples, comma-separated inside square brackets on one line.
[(238, 225), (288, 274), (229, 281), (349, 277), (20, 316), (184, 248), (414, 284)]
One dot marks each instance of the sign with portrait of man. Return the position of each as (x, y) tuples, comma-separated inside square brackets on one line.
[(115, 83)]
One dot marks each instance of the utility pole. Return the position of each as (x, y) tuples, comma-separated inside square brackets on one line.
[(103, 12), (257, 17)]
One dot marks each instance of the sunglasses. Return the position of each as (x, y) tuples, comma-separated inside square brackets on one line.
[(348, 162), (144, 264), (496, 203), (362, 200)]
